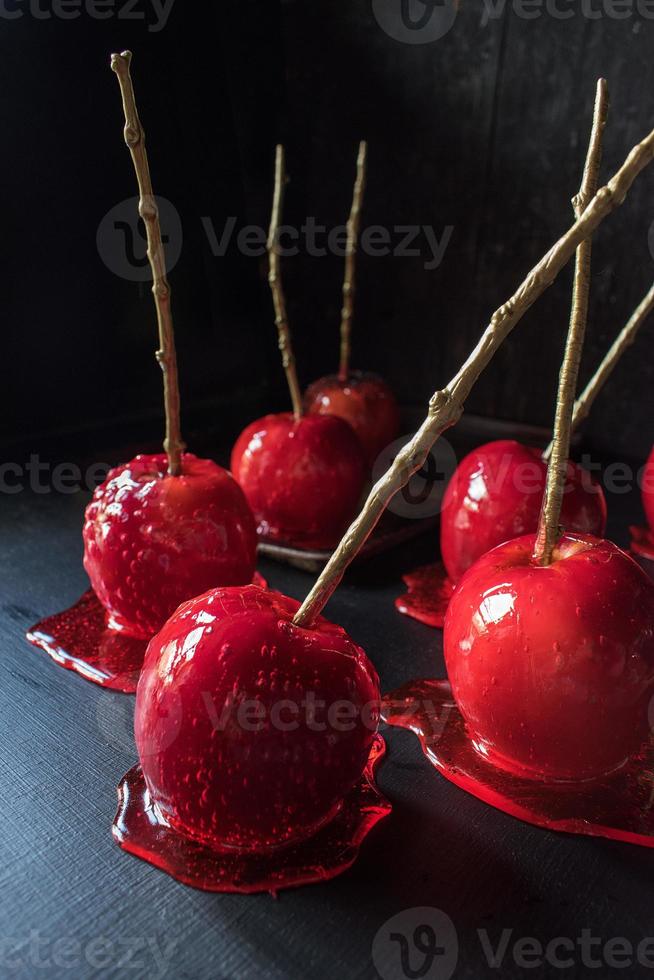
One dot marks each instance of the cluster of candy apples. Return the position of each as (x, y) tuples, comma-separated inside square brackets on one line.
[(304, 476), (304, 472), (217, 798), (550, 653)]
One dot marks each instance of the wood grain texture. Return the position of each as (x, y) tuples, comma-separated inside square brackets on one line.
[(65, 743)]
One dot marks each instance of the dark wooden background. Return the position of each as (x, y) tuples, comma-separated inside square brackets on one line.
[(484, 129)]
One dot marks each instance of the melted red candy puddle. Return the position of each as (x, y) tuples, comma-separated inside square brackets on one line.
[(140, 829), (430, 591), (642, 542), (81, 639), (618, 806)]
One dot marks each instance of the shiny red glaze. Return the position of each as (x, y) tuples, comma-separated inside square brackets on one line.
[(302, 478), (152, 540), (363, 400), (648, 490), (236, 729), (496, 494), (553, 667)]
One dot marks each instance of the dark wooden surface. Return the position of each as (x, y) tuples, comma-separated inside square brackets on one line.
[(483, 130), (65, 743)]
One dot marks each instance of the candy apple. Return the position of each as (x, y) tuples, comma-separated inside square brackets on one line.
[(303, 478), (152, 540), (365, 401), (552, 666), (250, 730), (496, 494)]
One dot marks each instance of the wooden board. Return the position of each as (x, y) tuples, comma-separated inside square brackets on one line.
[(64, 745)]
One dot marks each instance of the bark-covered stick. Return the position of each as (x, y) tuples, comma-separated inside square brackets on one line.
[(166, 355), (557, 470), (349, 282), (275, 281), (624, 340)]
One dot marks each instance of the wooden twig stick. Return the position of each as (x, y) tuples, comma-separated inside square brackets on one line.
[(548, 525), (446, 406), (166, 355), (353, 225), (277, 289), (624, 340)]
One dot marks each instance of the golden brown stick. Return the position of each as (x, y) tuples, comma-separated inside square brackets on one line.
[(274, 278), (624, 340), (166, 355), (446, 406), (353, 225), (548, 525)]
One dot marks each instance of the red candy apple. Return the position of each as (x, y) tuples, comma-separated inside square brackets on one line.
[(250, 730), (496, 494), (303, 478), (152, 540), (552, 666), (363, 400)]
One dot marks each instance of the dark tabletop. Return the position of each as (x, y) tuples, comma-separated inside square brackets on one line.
[(73, 904)]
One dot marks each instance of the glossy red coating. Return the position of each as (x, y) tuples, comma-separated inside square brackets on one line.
[(617, 806), (496, 494), (552, 667), (139, 829), (252, 731), (428, 596), (365, 401), (152, 540), (303, 478), (82, 639)]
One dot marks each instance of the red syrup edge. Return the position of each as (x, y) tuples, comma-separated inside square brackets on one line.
[(81, 639), (617, 806), (430, 591), (139, 829), (642, 542)]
